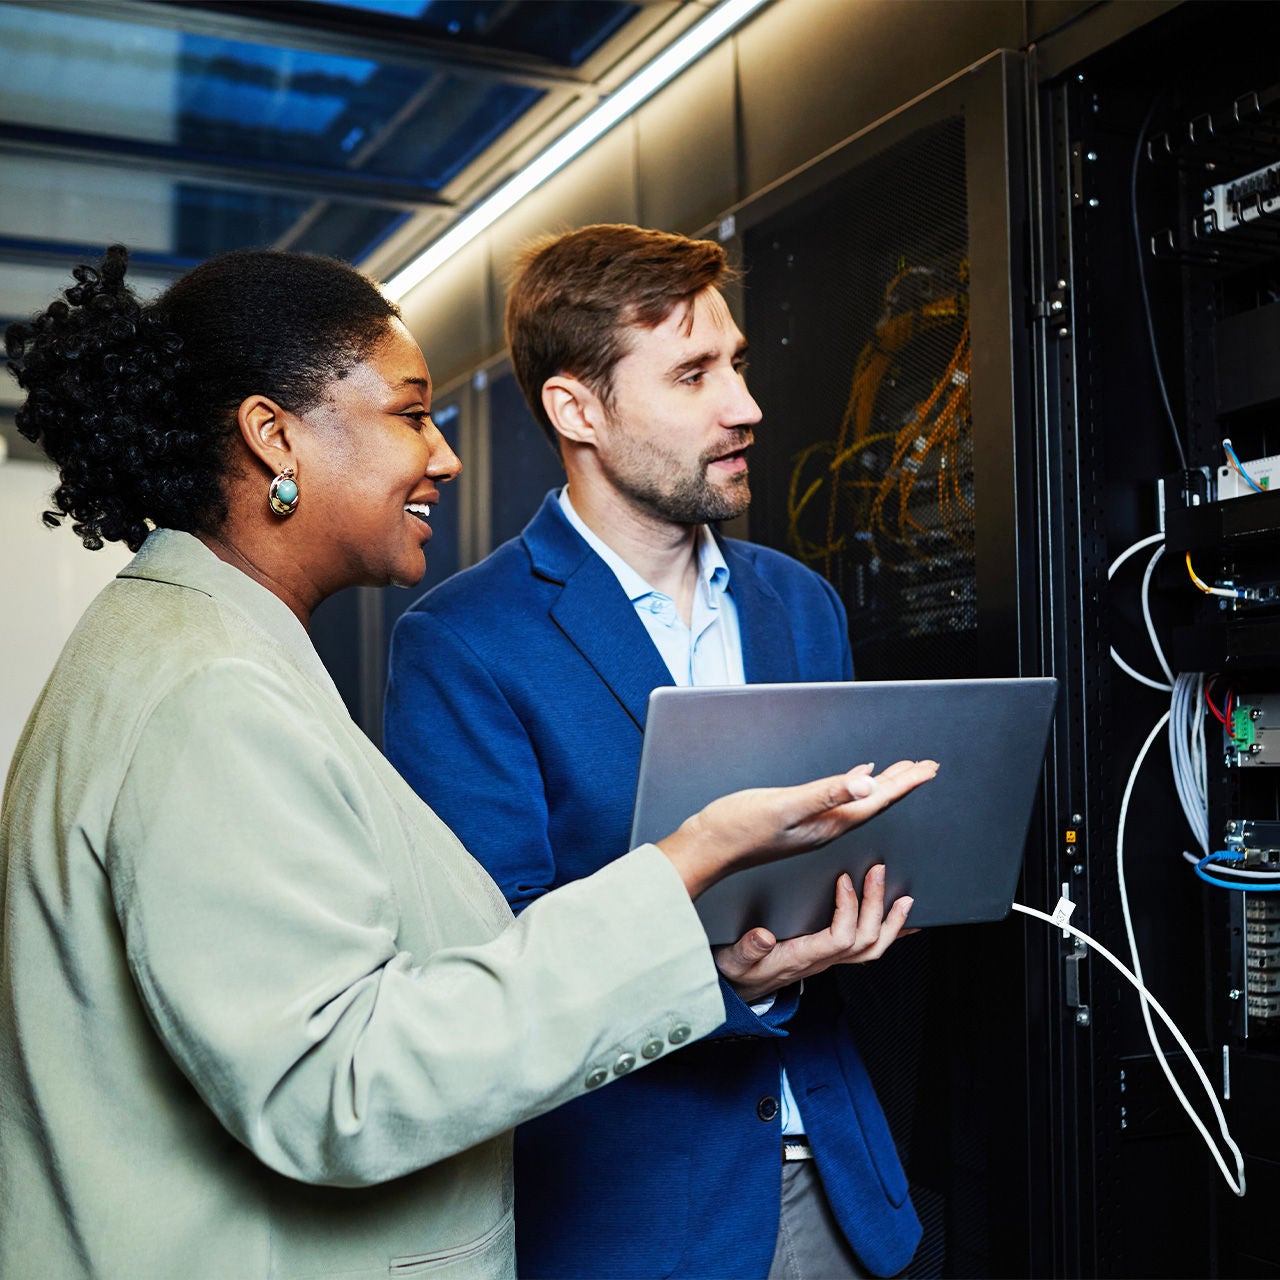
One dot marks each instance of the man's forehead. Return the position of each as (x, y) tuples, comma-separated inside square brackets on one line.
[(705, 311)]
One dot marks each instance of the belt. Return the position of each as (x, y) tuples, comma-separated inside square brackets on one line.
[(795, 1146)]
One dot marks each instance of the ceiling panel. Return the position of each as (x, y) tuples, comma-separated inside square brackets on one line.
[(357, 129)]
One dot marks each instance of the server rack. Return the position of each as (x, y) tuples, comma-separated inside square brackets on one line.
[(883, 303), (1040, 1133), (1158, 199)]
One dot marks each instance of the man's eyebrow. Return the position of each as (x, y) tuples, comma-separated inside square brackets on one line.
[(703, 359)]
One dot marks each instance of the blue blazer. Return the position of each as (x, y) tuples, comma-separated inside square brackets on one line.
[(515, 708)]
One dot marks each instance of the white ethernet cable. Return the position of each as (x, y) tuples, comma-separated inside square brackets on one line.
[(1146, 613), (1237, 1183), (1185, 721), (1147, 1000), (1187, 753)]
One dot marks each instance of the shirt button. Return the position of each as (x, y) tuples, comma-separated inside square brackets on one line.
[(680, 1033), (597, 1078), (767, 1108), (651, 1049), (624, 1064)]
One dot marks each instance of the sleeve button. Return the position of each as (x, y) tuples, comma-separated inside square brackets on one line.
[(651, 1048), (597, 1078), (624, 1064), (767, 1108), (680, 1033)]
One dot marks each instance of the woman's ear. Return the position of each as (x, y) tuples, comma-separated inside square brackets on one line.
[(573, 408), (267, 432)]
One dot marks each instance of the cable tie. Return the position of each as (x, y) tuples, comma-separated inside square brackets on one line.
[(1062, 912)]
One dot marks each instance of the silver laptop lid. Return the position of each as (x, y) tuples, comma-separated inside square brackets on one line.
[(955, 844)]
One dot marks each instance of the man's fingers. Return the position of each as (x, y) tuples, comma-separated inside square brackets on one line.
[(741, 957), (871, 913)]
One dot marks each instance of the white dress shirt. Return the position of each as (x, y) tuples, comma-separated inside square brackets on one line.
[(707, 651)]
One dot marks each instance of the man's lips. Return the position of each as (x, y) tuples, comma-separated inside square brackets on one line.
[(731, 462)]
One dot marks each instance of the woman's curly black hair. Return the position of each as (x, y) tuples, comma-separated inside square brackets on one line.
[(135, 402)]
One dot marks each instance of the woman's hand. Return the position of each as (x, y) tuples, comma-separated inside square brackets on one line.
[(765, 824)]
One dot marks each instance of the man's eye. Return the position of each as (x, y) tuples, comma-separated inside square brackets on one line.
[(416, 416), (693, 379), (741, 368)]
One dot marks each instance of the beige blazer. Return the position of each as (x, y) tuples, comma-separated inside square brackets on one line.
[(261, 1015)]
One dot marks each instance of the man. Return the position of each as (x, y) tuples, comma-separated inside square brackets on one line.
[(530, 674)]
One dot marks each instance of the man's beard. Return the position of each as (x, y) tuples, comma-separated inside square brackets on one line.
[(653, 477)]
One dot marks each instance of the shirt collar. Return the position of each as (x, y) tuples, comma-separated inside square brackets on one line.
[(713, 572)]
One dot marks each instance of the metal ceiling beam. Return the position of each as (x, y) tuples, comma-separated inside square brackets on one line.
[(268, 175), (23, 251), (316, 28)]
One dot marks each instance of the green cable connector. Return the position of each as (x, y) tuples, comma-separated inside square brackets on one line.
[(1242, 731)]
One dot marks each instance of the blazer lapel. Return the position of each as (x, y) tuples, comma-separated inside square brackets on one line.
[(768, 649), (593, 611)]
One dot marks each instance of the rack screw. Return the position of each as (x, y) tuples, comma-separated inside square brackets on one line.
[(1234, 994), (1092, 155), (1078, 869), (1208, 195), (1077, 818), (1082, 1017), (1093, 202)]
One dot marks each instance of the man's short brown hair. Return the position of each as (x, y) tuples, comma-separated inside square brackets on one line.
[(574, 295)]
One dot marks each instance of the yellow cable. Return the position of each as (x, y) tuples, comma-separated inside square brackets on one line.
[(1230, 592)]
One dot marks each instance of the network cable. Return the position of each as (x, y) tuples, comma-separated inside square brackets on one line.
[(1140, 545), (1251, 882), (1239, 467), (1236, 1183)]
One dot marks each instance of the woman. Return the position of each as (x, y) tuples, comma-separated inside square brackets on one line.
[(245, 974)]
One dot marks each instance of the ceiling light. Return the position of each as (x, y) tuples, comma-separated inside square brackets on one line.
[(619, 104)]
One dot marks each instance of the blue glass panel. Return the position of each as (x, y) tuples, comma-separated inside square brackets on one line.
[(347, 231), (562, 31)]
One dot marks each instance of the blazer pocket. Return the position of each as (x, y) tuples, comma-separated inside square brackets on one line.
[(497, 1238)]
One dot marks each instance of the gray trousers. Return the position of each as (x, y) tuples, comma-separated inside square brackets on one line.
[(811, 1245)]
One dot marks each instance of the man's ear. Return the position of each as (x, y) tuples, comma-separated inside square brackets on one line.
[(573, 408), (267, 432)]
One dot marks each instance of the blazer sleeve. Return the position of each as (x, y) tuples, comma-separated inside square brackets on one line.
[(262, 931), (455, 738)]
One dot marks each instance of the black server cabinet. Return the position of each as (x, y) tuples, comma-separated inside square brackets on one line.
[(1158, 234), (883, 301)]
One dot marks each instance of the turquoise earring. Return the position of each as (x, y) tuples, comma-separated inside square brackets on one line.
[(282, 496)]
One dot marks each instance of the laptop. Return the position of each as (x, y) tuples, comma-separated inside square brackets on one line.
[(954, 844)]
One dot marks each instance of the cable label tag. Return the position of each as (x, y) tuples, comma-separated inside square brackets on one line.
[(1062, 912)]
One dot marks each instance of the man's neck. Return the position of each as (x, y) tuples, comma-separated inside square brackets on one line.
[(664, 554)]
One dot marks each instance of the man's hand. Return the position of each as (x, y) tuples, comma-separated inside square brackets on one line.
[(758, 964)]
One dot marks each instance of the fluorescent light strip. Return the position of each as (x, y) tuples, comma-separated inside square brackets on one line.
[(718, 23)]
